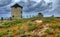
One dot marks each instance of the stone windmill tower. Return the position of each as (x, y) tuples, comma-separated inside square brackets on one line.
[(16, 11)]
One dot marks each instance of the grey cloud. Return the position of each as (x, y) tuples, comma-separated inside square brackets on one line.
[(5, 2), (5, 10), (39, 7), (48, 9)]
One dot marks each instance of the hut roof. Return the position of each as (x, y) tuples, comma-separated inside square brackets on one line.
[(16, 5)]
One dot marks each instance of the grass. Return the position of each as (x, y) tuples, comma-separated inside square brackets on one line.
[(27, 27)]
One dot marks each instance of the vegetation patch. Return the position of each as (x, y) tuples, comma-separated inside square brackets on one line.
[(29, 28)]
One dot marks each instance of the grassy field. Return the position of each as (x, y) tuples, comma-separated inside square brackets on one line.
[(30, 27)]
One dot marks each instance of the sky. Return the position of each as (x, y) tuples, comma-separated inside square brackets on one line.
[(31, 7)]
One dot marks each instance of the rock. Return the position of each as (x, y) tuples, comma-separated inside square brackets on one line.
[(38, 21)]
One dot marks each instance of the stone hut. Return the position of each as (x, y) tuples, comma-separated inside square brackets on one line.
[(40, 15), (16, 11)]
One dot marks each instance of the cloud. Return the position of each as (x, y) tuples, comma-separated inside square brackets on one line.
[(4, 10), (29, 3), (5, 2), (41, 6), (48, 8)]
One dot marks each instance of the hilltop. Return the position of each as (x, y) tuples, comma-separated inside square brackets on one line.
[(30, 27)]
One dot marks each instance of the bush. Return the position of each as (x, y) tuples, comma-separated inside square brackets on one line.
[(55, 26), (17, 21), (9, 33), (1, 34), (58, 25), (57, 35), (29, 35), (49, 31), (11, 23), (5, 25), (33, 27), (21, 32), (47, 20)]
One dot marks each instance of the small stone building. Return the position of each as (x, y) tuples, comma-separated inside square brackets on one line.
[(40, 15), (16, 11)]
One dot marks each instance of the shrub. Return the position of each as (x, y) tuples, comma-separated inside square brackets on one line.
[(33, 27), (17, 21), (5, 25), (2, 18), (11, 23), (9, 33), (29, 35), (47, 20), (57, 35), (1, 34), (49, 31), (55, 26), (58, 25)]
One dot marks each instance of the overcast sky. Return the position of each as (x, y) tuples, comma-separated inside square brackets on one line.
[(47, 7)]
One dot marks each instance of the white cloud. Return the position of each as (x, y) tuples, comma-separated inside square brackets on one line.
[(17, 0), (36, 0)]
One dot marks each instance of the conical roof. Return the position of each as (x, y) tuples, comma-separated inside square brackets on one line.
[(17, 5)]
